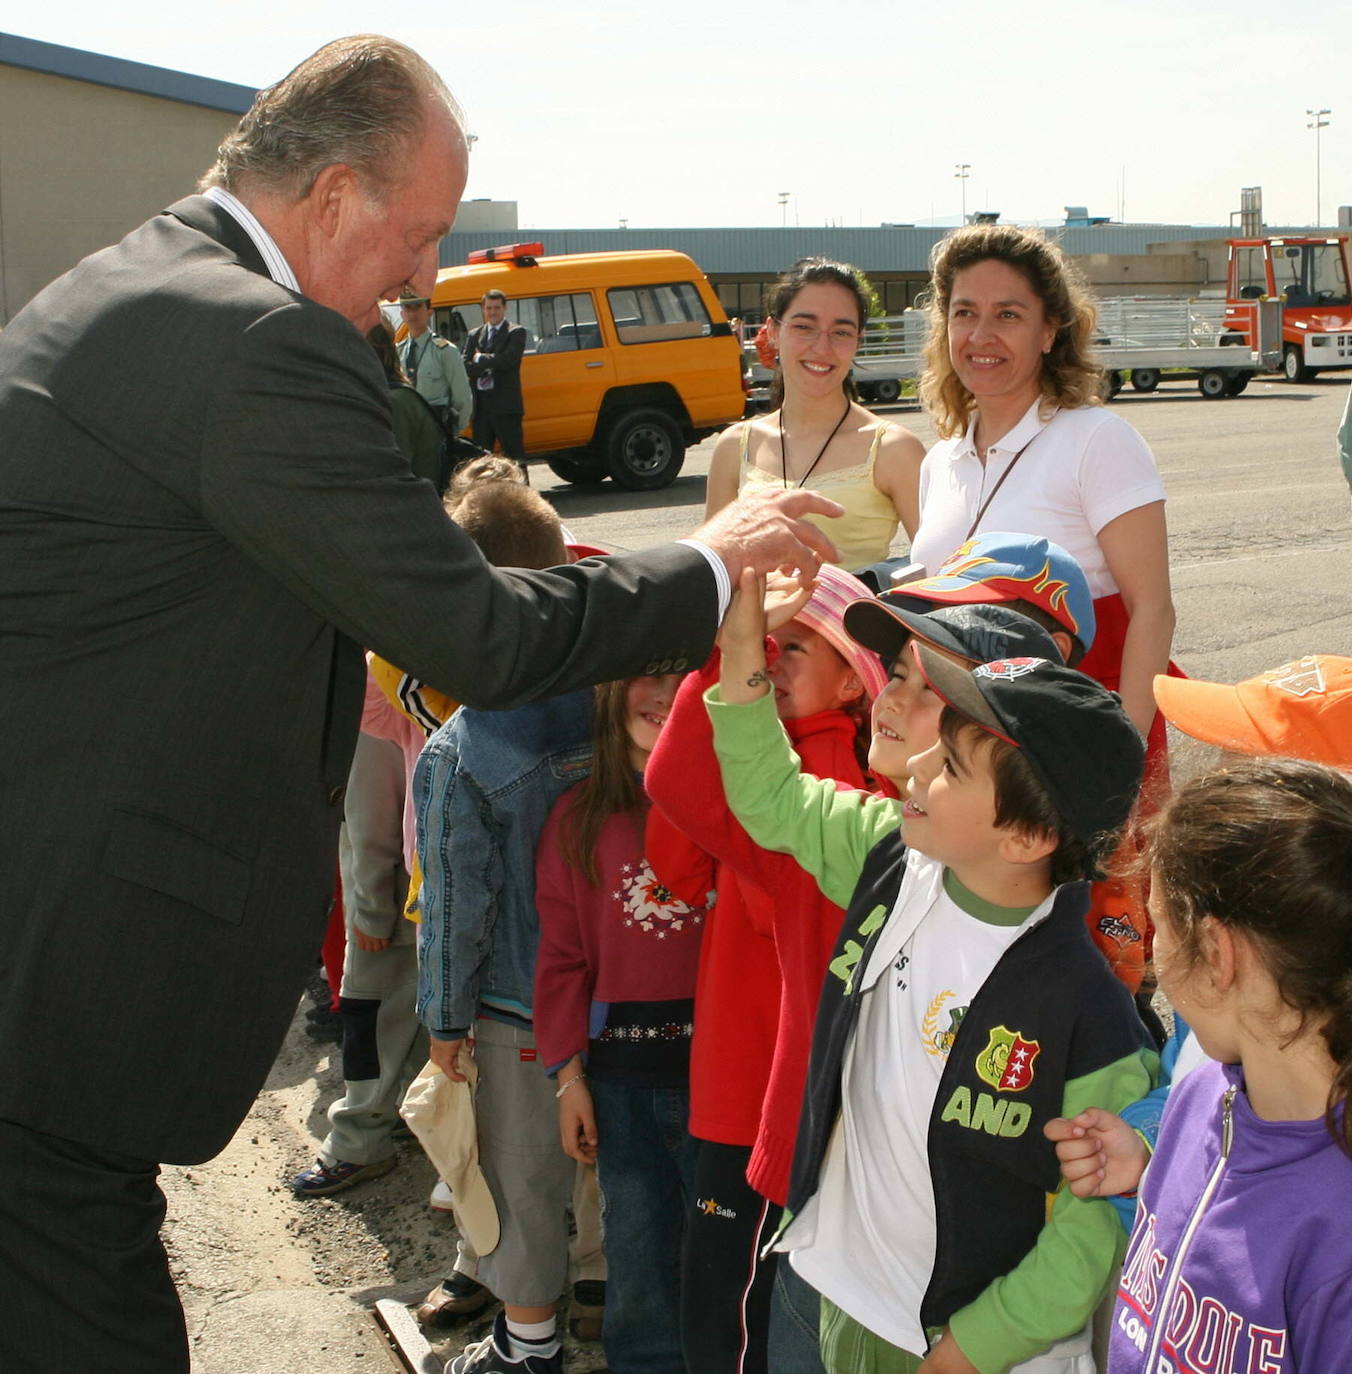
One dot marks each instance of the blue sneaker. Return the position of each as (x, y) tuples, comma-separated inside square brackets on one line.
[(324, 1179), (488, 1356)]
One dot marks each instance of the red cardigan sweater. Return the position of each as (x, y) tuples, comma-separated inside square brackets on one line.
[(764, 957)]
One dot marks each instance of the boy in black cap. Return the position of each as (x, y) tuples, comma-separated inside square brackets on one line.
[(964, 1007)]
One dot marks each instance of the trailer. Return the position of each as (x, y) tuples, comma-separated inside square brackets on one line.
[(1139, 338)]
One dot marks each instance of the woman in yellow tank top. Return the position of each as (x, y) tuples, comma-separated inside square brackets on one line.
[(817, 436)]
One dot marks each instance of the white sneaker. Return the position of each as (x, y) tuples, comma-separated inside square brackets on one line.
[(441, 1199)]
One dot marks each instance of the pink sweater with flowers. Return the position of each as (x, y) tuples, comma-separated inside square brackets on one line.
[(627, 939)]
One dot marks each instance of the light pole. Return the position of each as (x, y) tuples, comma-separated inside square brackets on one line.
[(784, 208), (1317, 122), (964, 170)]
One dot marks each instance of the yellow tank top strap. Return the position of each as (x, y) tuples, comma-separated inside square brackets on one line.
[(878, 433)]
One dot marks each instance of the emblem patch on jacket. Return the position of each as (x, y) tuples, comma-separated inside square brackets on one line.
[(1007, 1061)]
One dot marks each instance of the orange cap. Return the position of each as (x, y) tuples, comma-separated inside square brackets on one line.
[(1302, 710)]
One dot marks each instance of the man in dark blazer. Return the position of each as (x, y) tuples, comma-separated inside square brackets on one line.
[(205, 519), (493, 355)]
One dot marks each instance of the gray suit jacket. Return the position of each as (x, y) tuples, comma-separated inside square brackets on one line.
[(203, 515)]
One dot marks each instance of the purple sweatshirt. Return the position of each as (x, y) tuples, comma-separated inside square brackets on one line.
[(1249, 1256)]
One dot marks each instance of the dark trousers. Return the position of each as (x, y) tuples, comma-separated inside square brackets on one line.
[(490, 425), (645, 1169), (725, 1289), (83, 1272)]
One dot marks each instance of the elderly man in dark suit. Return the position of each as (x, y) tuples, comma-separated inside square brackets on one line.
[(493, 360), (205, 518)]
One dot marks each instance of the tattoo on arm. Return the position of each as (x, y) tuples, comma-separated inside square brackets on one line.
[(759, 678)]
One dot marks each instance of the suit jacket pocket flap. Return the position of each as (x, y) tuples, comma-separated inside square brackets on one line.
[(157, 853)]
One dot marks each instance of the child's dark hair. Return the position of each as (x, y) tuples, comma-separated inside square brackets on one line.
[(1265, 847), (1021, 802), (612, 786), (513, 526)]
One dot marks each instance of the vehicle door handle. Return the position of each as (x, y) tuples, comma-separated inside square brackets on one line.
[(593, 364)]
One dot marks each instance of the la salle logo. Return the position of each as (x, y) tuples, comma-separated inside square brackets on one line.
[(1007, 1061)]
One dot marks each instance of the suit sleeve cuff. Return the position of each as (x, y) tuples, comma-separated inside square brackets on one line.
[(721, 579)]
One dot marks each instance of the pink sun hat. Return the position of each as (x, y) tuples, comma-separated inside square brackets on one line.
[(825, 614)]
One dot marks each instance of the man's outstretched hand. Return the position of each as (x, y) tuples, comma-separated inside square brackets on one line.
[(765, 531)]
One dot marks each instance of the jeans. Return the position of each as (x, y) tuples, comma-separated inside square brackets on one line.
[(795, 1323), (645, 1167)]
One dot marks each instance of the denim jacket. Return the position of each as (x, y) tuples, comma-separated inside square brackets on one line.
[(483, 789)]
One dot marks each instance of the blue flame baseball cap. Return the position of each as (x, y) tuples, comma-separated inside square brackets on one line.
[(999, 566)]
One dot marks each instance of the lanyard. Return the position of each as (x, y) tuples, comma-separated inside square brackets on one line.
[(985, 505)]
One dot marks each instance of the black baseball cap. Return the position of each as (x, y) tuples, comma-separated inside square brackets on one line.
[(979, 633), (1073, 732)]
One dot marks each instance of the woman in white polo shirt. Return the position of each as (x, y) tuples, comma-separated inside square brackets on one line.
[(1025, 445)]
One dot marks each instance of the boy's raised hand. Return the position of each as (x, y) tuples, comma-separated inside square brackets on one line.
[(1100, 1155), (743, 675), (783, 598)]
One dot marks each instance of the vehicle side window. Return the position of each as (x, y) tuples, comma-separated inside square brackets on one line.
[(654, 314), (557, 324), (1252, 274), (453, 322)]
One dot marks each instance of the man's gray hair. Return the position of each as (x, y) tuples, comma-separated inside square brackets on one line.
[(361, 101)]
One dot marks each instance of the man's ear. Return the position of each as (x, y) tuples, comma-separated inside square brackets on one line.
[(333, 191), (1063, 641)]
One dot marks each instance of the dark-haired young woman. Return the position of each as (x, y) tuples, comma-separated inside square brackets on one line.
[(818, 436)]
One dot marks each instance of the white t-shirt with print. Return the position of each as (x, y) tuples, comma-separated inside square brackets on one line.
[(1080, 470), (866, 1240)]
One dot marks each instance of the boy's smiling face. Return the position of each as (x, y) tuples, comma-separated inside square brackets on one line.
[(949, 812), (905, 718)]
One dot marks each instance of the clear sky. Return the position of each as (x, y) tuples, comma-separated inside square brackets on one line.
[(701, 112)]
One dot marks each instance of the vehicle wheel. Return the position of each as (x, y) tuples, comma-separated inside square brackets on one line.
[(645, 450), (1237, 382), (887, 391), (1293, 364), (1112, 383), (586, 471), (1145, 378), (1213, 384)]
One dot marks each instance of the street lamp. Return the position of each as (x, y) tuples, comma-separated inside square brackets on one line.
[(1317, 122), (964, 170), (784, 208)]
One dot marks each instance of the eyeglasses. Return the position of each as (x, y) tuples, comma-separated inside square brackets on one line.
[(838, 334), (412, 305)]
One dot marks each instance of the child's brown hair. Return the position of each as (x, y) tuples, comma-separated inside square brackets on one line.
[(612, 786), (1265, 847), (513, 526)]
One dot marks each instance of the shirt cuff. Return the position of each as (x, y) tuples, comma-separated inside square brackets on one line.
[(721, 578)]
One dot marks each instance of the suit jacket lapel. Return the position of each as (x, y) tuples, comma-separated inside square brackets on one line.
[(204, 215)]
